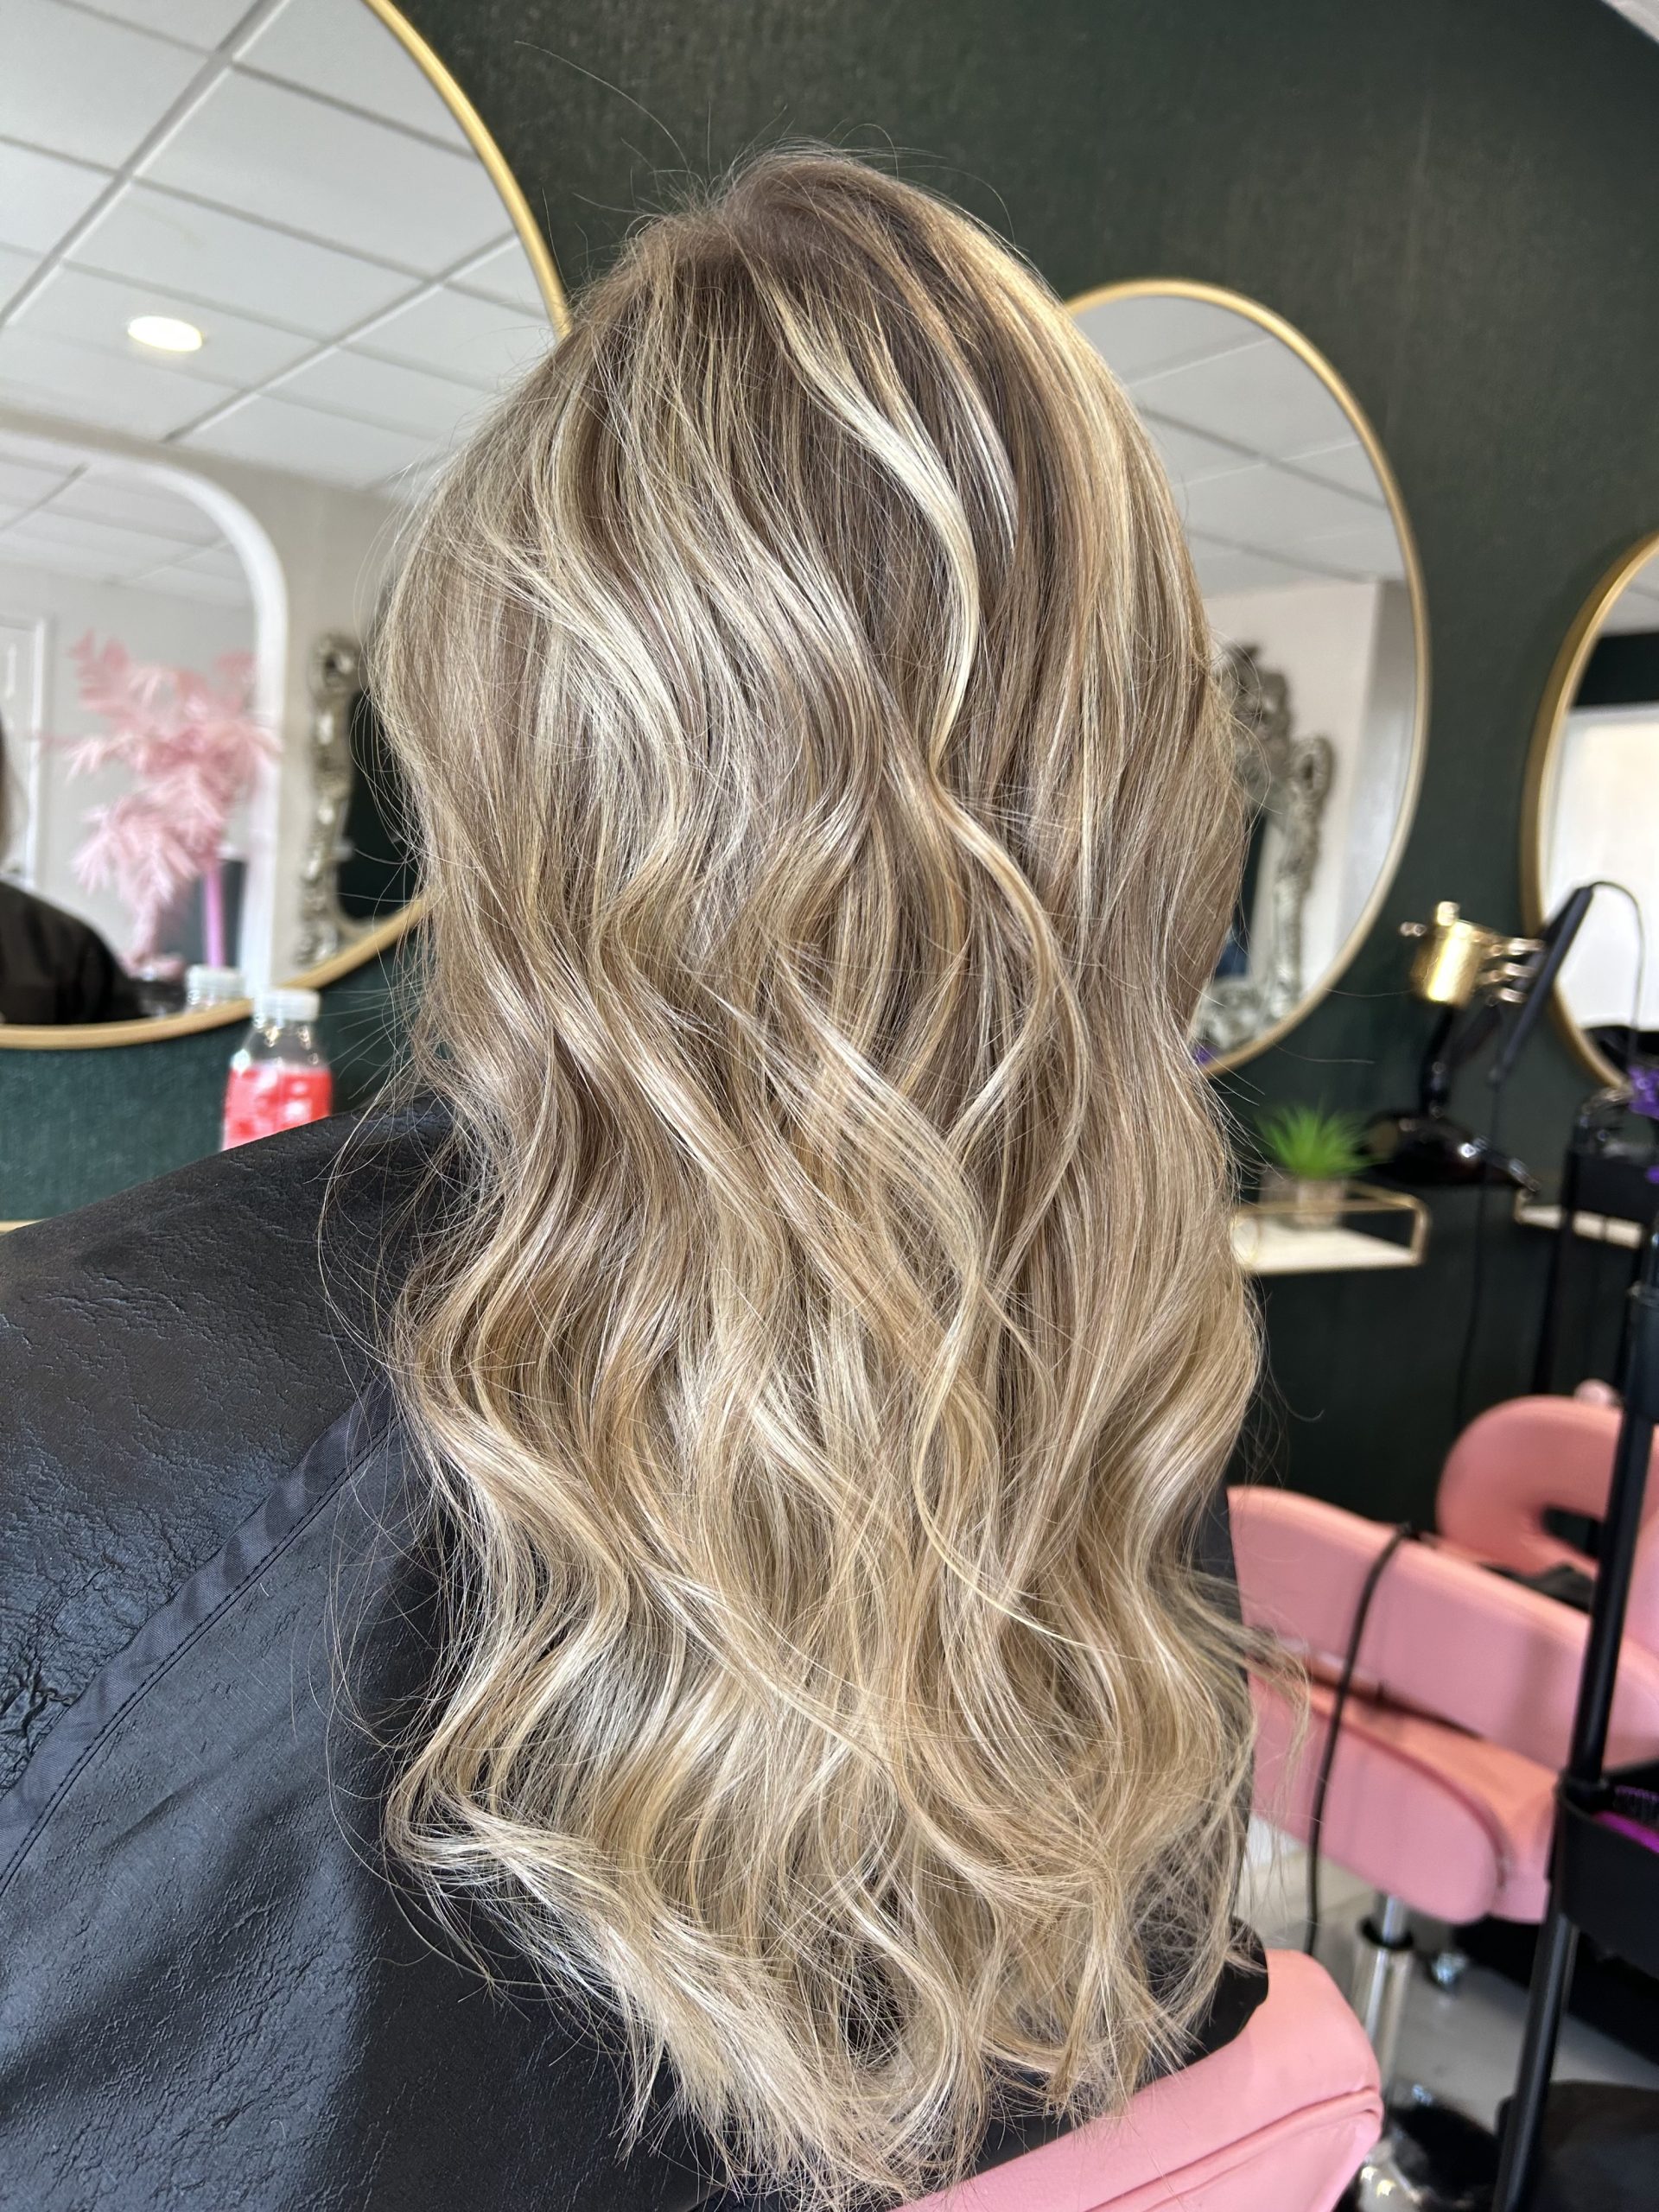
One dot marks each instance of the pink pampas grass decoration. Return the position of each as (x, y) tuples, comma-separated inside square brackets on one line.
[(194, 749)]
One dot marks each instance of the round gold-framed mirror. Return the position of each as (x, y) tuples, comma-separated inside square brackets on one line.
[(249, 298), (1310, 574), (1591, 814)]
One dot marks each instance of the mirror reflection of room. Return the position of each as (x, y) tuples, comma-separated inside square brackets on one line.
[(134, 743), (1300, 545), (812, 1209), (251, 295), (1599, 823)]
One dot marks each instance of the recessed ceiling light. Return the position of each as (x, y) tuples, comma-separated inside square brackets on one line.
[(165, 333)]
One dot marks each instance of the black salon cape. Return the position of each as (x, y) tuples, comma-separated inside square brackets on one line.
[(211, 1996), (55, 969)]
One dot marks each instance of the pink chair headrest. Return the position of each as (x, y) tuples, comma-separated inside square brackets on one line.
[(1518, 1460)]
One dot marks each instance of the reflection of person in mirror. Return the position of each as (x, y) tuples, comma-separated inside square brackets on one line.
[(54, 968)]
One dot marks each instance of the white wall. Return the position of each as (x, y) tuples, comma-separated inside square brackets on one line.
[(1383, 768), (1604, 821), (154, 627), (1347, 653), (316, 553)]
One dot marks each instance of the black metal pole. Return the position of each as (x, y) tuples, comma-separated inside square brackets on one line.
[(1622, 1524), (1557, 1939)]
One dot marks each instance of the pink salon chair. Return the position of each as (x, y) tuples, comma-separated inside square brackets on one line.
[(1277, 2121), (1522, 1460), (1440, 1794)]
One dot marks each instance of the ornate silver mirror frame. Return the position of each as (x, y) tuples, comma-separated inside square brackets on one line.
[(1287, 779), (336, 677)]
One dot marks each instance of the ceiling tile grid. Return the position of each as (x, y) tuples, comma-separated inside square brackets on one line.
[(1275, 483), (79, 84), (202, 23), (92, 310), (286, 179), (272, 152), (365, 69), (339, 449), (66, 513), (42, 196)]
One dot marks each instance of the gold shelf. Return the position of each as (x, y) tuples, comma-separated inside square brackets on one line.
[(1274, 1237)]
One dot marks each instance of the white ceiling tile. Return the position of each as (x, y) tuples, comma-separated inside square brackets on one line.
[(94, 310), (1269, 508), (78, 83), (481, 342), (139, 503), (432, 408), (179, 581), (1346, 464), (117, 390), (1367, 549), (358, 211), (1263, 396), (124, 550), (41, 194), (506, 275), (26, 483), (1191, 457), (1632, 611), (15, 268), (221, 560), (207, 253), (201, 23), (36, 452), (342, 49), (273, 153), (280, 433), (24, 549), (1222, 569), (1135, 337)]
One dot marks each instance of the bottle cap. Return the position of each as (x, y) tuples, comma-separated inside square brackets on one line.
[(214, 986), (283, 1007)]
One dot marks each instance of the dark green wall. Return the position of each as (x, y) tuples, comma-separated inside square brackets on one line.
[(75, 1126), (1458, 200)]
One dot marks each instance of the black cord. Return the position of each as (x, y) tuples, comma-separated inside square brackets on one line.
[(1477, 1272), (1633, 1028), (1404, 1534)]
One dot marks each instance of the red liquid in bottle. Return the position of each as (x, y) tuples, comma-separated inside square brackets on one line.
[(259, 1101), (279, 1078)]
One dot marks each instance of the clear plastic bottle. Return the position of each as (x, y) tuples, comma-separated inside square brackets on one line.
[(214, 986), (279, 1078)]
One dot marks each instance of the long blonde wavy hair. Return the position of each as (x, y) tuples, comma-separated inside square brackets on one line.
[(833, 1339)]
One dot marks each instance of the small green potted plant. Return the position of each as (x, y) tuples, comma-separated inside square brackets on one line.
[(1308, 1153)]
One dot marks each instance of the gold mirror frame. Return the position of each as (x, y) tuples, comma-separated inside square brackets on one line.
[(1559, 694), (87, 1036), (1276, 326)]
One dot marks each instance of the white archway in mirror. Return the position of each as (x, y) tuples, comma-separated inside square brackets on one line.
[(90, 489), (304, 180)]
